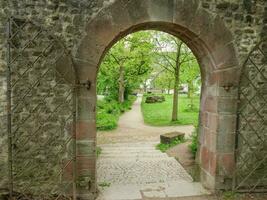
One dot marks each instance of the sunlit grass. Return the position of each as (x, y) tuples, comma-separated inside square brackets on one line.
[(159, 114)]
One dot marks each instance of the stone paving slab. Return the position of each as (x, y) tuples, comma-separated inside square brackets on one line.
[(125, 167), (174, 189)]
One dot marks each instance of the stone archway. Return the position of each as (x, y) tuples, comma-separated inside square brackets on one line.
[(211, 42)]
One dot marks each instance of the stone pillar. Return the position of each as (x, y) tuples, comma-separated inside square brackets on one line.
[(218, 126), (86, 132)]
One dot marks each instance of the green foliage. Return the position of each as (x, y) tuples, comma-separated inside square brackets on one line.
[(230, 195), (106, 121), (104, 184), (164, 80), (159, 114), (166, 58), (109, 111), (191, 107), (164, 147), (133, 53), (98, 151), (194, 142)]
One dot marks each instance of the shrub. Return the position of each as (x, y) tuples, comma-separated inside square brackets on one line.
[(109, 111), (194, 141), (191, 108), (106, 121)]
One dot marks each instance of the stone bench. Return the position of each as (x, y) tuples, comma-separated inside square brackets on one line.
[(170, 137)]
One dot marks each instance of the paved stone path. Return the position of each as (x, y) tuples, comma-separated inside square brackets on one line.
[(138, 163), (130, 167)]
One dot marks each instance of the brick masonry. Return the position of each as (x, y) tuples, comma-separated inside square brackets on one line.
[(220, 32)]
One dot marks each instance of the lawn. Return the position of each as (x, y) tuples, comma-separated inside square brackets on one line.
[(159, 114)]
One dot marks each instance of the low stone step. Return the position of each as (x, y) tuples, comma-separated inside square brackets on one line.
[(135, 145), (122, 160), (115, 152), (125, 147), (133, 156)]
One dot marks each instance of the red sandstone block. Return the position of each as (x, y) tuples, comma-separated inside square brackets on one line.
[(227, 164), (85, 130), (204, 118), (204, 155), (213, 122), (228, 77), (211, 140), (227, 123), (227, 105), (225, 56), (212, 163), (86, 163), (211, 104), (206, 138), (67, 170)]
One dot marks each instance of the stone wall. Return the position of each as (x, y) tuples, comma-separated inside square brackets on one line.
[(67, 19)]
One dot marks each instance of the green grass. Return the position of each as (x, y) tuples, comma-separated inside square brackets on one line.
[(159, 114), (109, 111), (164, 147)]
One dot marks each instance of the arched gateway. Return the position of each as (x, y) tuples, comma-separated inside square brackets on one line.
[(212, 43)]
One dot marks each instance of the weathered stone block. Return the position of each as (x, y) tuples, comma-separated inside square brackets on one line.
[(210, 104), (227, 105), (226, 164), (85, 130), (85, 148), (171, 137), (160, 10)]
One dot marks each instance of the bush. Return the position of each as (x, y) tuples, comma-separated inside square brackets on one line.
[(155, 99), (194, 142), (191, 108), (106, 121), (109, 111)]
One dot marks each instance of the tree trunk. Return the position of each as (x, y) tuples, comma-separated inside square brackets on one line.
[(176, 83), (175, 96), (121, 85)]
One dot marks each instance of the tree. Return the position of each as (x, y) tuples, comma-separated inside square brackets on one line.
[(190, 75), (172, 55), (126, 65), (164, 80)]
